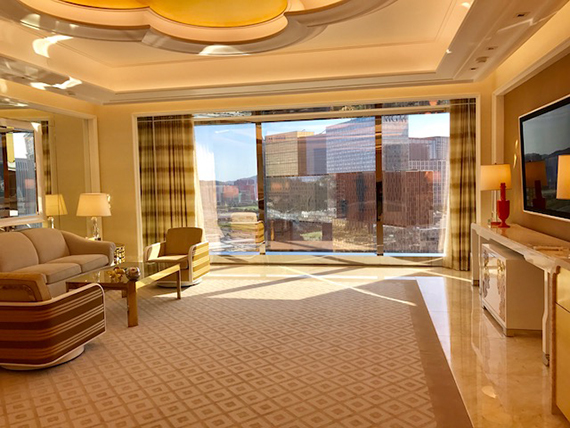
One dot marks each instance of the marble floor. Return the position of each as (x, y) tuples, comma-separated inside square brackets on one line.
[(502, 380)]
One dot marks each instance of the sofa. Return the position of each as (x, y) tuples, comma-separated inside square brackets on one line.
[(54, 254)]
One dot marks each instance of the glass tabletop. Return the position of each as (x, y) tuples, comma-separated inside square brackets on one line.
[(116, 274)]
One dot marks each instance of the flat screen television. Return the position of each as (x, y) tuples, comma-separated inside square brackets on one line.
[(544, 135)]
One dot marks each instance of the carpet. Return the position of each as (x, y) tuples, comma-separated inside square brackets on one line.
[(253, 352)]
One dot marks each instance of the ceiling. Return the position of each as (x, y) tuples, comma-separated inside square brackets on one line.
[(405, 42)]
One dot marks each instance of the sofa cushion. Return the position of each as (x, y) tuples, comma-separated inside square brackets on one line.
[(16, 252), (49, 243), (87, 262), (53, 272)]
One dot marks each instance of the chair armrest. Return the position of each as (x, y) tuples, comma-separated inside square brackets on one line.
[(79, 245), (199, 260), (153, 251), (23, 287)]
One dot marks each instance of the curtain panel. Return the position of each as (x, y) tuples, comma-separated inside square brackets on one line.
[(167, 175), (46, 153), (462, 164)]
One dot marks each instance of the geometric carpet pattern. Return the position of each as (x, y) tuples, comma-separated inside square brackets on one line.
[(253, 353)]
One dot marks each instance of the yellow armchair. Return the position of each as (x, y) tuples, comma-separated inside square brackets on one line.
[(183, 245)]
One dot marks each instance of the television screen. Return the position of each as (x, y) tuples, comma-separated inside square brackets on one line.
[(545, 135)]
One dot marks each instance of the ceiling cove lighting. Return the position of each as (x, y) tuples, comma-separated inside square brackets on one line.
[(41, 46), (228, 27)]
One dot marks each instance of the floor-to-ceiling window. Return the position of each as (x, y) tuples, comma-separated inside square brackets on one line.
[(320, 185), (227, 170), (415, 162), (369, 179)]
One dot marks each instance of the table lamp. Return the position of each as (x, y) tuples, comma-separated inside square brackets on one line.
[(94, 205), (498, 177), (563, 182), (55, 205), (535, 176)]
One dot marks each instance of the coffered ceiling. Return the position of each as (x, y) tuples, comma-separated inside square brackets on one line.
[(399, 42)]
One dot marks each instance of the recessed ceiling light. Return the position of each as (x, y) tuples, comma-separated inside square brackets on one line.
[(473, 68), (466, 4), (481, 59), (491, 48), (447, 51), (521, 14)]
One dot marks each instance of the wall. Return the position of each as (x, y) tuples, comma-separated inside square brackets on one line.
[(69, 159), (549, 85), (117, 146)]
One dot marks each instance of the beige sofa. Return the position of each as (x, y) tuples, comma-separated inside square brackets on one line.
[(56, 255)]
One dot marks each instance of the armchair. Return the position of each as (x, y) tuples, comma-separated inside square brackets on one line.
[(183, 245), (38, 331)]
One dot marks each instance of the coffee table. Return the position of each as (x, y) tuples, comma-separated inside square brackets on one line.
[(150, 272)]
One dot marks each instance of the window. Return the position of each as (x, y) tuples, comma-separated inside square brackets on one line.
[(368, 179), (227, 170), (320, 185)]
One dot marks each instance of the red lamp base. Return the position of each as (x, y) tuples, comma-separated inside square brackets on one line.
[(503, 208)]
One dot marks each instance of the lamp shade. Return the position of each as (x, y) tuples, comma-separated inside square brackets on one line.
[(493, 175), (93, 205), (535, 171), (563, 182), (55, 205)]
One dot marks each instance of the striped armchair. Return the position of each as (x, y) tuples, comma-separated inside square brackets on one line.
[(183, 245), (38, 331)]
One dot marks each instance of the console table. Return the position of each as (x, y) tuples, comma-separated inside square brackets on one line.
[(551, 255)]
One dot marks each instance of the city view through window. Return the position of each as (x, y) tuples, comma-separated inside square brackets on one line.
[(320, 184)]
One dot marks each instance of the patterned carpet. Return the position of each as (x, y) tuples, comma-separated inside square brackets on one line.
[(251, 352)]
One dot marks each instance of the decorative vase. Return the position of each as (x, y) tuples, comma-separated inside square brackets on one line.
[(133, 273)]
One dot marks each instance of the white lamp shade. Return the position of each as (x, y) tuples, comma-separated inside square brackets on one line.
[(563, 182), (55, 205), (93, 205), (493, 175), (535, 171)]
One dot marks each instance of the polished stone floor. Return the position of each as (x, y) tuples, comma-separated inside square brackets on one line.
[(502, 380)]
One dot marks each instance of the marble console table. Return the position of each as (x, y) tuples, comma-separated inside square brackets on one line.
[(525, 242)]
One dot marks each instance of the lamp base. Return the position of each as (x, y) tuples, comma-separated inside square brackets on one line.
[(503, 209), (96, 231)]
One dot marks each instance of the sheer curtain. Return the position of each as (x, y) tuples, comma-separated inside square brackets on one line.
[(462, 162), (167, 175)]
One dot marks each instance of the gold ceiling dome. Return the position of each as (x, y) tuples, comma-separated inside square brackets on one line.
[(211, 27)]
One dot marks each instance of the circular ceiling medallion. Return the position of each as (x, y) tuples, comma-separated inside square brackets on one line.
[(207, 27), (204, 13)]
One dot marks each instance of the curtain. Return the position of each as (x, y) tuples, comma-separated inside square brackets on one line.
[(167, 175), (46, 153), (462, 148)]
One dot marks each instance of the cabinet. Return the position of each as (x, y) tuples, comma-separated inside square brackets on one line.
[(511, 289), (562, 362)]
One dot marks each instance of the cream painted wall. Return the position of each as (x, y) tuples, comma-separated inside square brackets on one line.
[(117, 146), (69, 158)]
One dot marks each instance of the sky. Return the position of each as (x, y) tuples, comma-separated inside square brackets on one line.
[(227, 152)]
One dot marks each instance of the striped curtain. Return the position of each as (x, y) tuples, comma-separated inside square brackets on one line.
[(46, 153), (462, 162), (167, 175)]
